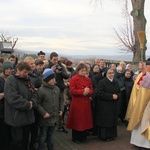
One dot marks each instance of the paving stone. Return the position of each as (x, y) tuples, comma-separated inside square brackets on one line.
[(122, 142)]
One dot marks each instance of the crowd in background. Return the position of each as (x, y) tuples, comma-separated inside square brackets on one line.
[(35, 95)]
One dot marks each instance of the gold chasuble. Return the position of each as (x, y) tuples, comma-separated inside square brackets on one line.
[(140, 109)]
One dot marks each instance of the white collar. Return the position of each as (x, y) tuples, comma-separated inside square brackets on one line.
[(111, 80)]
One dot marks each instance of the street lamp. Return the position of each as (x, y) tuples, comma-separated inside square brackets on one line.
[(141, 38)]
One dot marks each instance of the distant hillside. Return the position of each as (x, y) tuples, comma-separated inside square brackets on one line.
[(121, 57), (125, 57)]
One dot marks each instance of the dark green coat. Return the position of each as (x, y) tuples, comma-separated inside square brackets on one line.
[(49, 101)]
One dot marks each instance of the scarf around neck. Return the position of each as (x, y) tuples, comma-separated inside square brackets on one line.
[(26, 81)]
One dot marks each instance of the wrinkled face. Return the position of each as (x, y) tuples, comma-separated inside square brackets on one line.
[(110, 74), (128, 74), (82, 72), (54, 60), (8, 71), (23, 73), (32, 64)]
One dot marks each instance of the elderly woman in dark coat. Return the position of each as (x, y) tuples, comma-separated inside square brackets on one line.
[(106, 107)]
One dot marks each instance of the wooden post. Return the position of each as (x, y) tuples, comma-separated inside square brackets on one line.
[(141, 38)]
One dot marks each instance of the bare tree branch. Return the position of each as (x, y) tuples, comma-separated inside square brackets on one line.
[(125, 34), (14, 43)]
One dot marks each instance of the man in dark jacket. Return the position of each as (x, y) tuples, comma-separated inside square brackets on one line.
[(61, 74)]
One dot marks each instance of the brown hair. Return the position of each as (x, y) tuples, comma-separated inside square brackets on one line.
[(80, 66), (39, 62), (53, 54), (23, 65), (11, 56)]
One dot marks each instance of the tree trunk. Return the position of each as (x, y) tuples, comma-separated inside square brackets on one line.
[(139, 24)]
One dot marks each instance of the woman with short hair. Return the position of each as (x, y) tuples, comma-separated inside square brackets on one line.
[(80, 115), (19, 101)]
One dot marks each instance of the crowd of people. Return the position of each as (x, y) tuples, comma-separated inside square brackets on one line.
[(35, 95)]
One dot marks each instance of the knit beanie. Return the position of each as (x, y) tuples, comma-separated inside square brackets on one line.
[(48, 74), (7, 65)]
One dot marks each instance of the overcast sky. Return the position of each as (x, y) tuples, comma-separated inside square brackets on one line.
[(65, 26)]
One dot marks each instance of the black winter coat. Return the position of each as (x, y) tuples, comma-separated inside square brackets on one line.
[(128, 82), (106, 106)]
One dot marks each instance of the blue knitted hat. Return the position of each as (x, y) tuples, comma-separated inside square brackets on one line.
[(48, 74)]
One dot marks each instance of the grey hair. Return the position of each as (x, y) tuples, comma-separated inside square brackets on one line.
[(119, 68)]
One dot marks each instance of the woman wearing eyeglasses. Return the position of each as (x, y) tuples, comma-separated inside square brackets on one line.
[(106, 107)]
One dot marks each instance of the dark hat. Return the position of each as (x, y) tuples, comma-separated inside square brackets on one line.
[(40, 53), (6, 65), (148, 61), (68, 63), (48, 74), (39, 62), (127, 70)]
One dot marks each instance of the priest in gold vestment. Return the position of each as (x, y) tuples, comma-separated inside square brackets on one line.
[(138, 113)]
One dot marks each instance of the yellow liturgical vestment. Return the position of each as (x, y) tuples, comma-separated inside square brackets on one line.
[(139, 109)]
